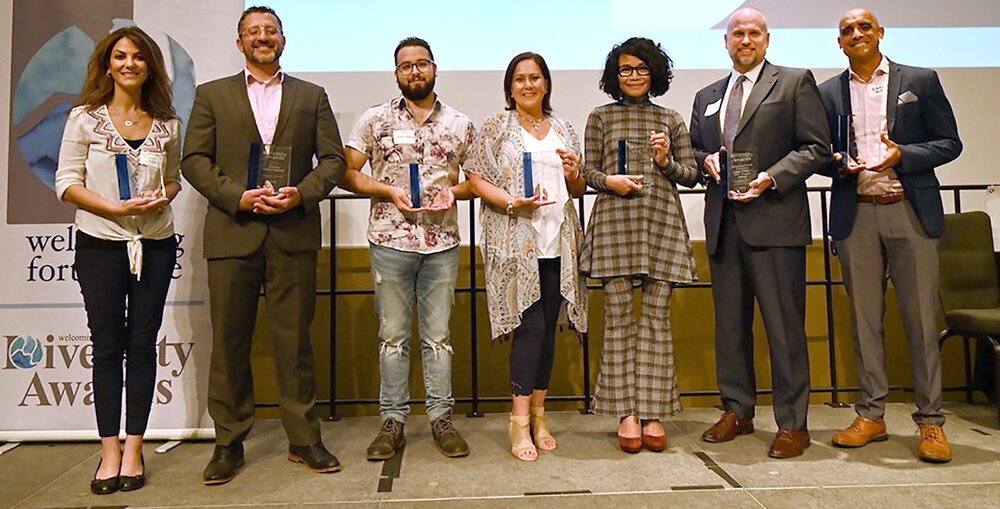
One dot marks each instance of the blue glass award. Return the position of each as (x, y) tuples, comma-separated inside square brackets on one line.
[(622, 157), (529, 184), (415, 185)]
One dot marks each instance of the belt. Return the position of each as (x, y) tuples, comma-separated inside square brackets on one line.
[(881, 199)]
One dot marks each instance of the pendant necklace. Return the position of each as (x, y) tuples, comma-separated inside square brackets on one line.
[(535, 124)]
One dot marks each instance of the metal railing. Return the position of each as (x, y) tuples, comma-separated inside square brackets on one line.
[(474, 289)]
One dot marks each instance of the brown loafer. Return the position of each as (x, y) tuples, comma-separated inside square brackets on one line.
[(934, 446), (630, 445), (789, 443), (861, 432), (652, 442), (728, 427)]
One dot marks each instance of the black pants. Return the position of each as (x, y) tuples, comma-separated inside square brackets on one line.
[(124, 315), (534, 345)]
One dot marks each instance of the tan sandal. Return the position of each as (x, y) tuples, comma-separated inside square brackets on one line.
[(520, 438), (540, 429)]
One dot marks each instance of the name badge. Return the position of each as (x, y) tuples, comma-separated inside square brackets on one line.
[(404, 136)]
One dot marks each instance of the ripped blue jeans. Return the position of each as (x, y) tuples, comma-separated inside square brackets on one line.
[(405, 280)]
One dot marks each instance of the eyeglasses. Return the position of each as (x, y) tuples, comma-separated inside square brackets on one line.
[(626, 70), (420, 65), (254, 31)]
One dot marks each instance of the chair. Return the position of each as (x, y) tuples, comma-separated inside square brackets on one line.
[(970, 291)]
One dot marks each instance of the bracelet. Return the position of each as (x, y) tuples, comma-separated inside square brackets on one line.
[(510, 205)]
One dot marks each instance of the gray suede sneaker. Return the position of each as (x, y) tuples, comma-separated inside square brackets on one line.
[(447, 439)]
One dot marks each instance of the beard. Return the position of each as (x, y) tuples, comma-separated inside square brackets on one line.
[(261, 59), (417, 92)]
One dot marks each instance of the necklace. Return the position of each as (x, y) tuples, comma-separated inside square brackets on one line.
[(535, 124), (128, 122)]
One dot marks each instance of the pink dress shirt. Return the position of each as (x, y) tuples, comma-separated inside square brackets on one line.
[(265, 101), (868, 104)]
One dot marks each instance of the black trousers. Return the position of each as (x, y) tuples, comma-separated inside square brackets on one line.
[(533, 349), (124, 315)]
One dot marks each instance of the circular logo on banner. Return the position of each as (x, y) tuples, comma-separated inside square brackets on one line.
[(25, 352), (60, 66)]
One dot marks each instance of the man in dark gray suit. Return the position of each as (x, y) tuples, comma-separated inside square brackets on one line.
[(767, 121), (258, 235), (895, 126)]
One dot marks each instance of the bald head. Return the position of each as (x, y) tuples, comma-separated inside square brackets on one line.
[(747, 39), (858, 13), (747, 14), (859, 34)]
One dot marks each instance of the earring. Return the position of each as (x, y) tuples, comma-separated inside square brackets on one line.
[(108, 73)]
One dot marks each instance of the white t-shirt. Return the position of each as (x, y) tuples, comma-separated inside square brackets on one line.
[(547, 172)]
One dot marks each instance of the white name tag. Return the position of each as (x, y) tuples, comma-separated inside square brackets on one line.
[(713, 108), (404, 136)]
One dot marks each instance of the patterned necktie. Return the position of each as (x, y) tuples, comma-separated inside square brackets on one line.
[(733, 109)]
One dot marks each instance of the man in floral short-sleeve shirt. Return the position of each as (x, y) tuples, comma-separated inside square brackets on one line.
[(414, 246)]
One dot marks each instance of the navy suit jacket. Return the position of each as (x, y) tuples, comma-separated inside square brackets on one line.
[(921, 122)]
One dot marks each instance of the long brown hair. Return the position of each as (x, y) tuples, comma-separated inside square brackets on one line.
[(100, 88)]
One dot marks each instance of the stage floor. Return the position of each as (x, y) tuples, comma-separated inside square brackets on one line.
[(588, 469)]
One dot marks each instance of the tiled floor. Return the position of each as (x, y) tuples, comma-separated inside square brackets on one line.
[(587, 470)]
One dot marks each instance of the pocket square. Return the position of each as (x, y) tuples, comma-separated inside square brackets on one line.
[(906, 97), (713, 108)]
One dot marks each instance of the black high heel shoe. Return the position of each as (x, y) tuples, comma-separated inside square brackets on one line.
[(133, 482), (103, 486)]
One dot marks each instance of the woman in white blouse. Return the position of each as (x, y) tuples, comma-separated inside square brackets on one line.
[(120, 165), (525, 165)]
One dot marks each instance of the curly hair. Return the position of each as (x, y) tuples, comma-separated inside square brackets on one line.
[(651, 53), (99, 88)]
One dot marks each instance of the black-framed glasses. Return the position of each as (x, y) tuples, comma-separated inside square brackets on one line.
[(626, 70), (420, 65)]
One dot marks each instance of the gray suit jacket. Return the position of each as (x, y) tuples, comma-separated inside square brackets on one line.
[(785, 124), (217, 158)]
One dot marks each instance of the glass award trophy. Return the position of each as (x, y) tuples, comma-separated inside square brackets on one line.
[(740, 169), (623, 157), (144, 179), (843, 137), (271, 163), (534, 165), (633, 157), (415, 185), (529, 175)]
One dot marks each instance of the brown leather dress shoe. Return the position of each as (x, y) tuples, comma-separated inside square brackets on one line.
[(789, 443), (861, 432), (727, 428), (934, 446)]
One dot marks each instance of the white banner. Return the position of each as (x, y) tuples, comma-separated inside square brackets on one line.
[(45, 363)]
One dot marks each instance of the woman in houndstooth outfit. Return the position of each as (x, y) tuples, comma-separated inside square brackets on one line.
[(636, 153)]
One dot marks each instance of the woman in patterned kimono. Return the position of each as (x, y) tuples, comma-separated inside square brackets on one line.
[(530, 239), (119, 163), (636, 154)]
